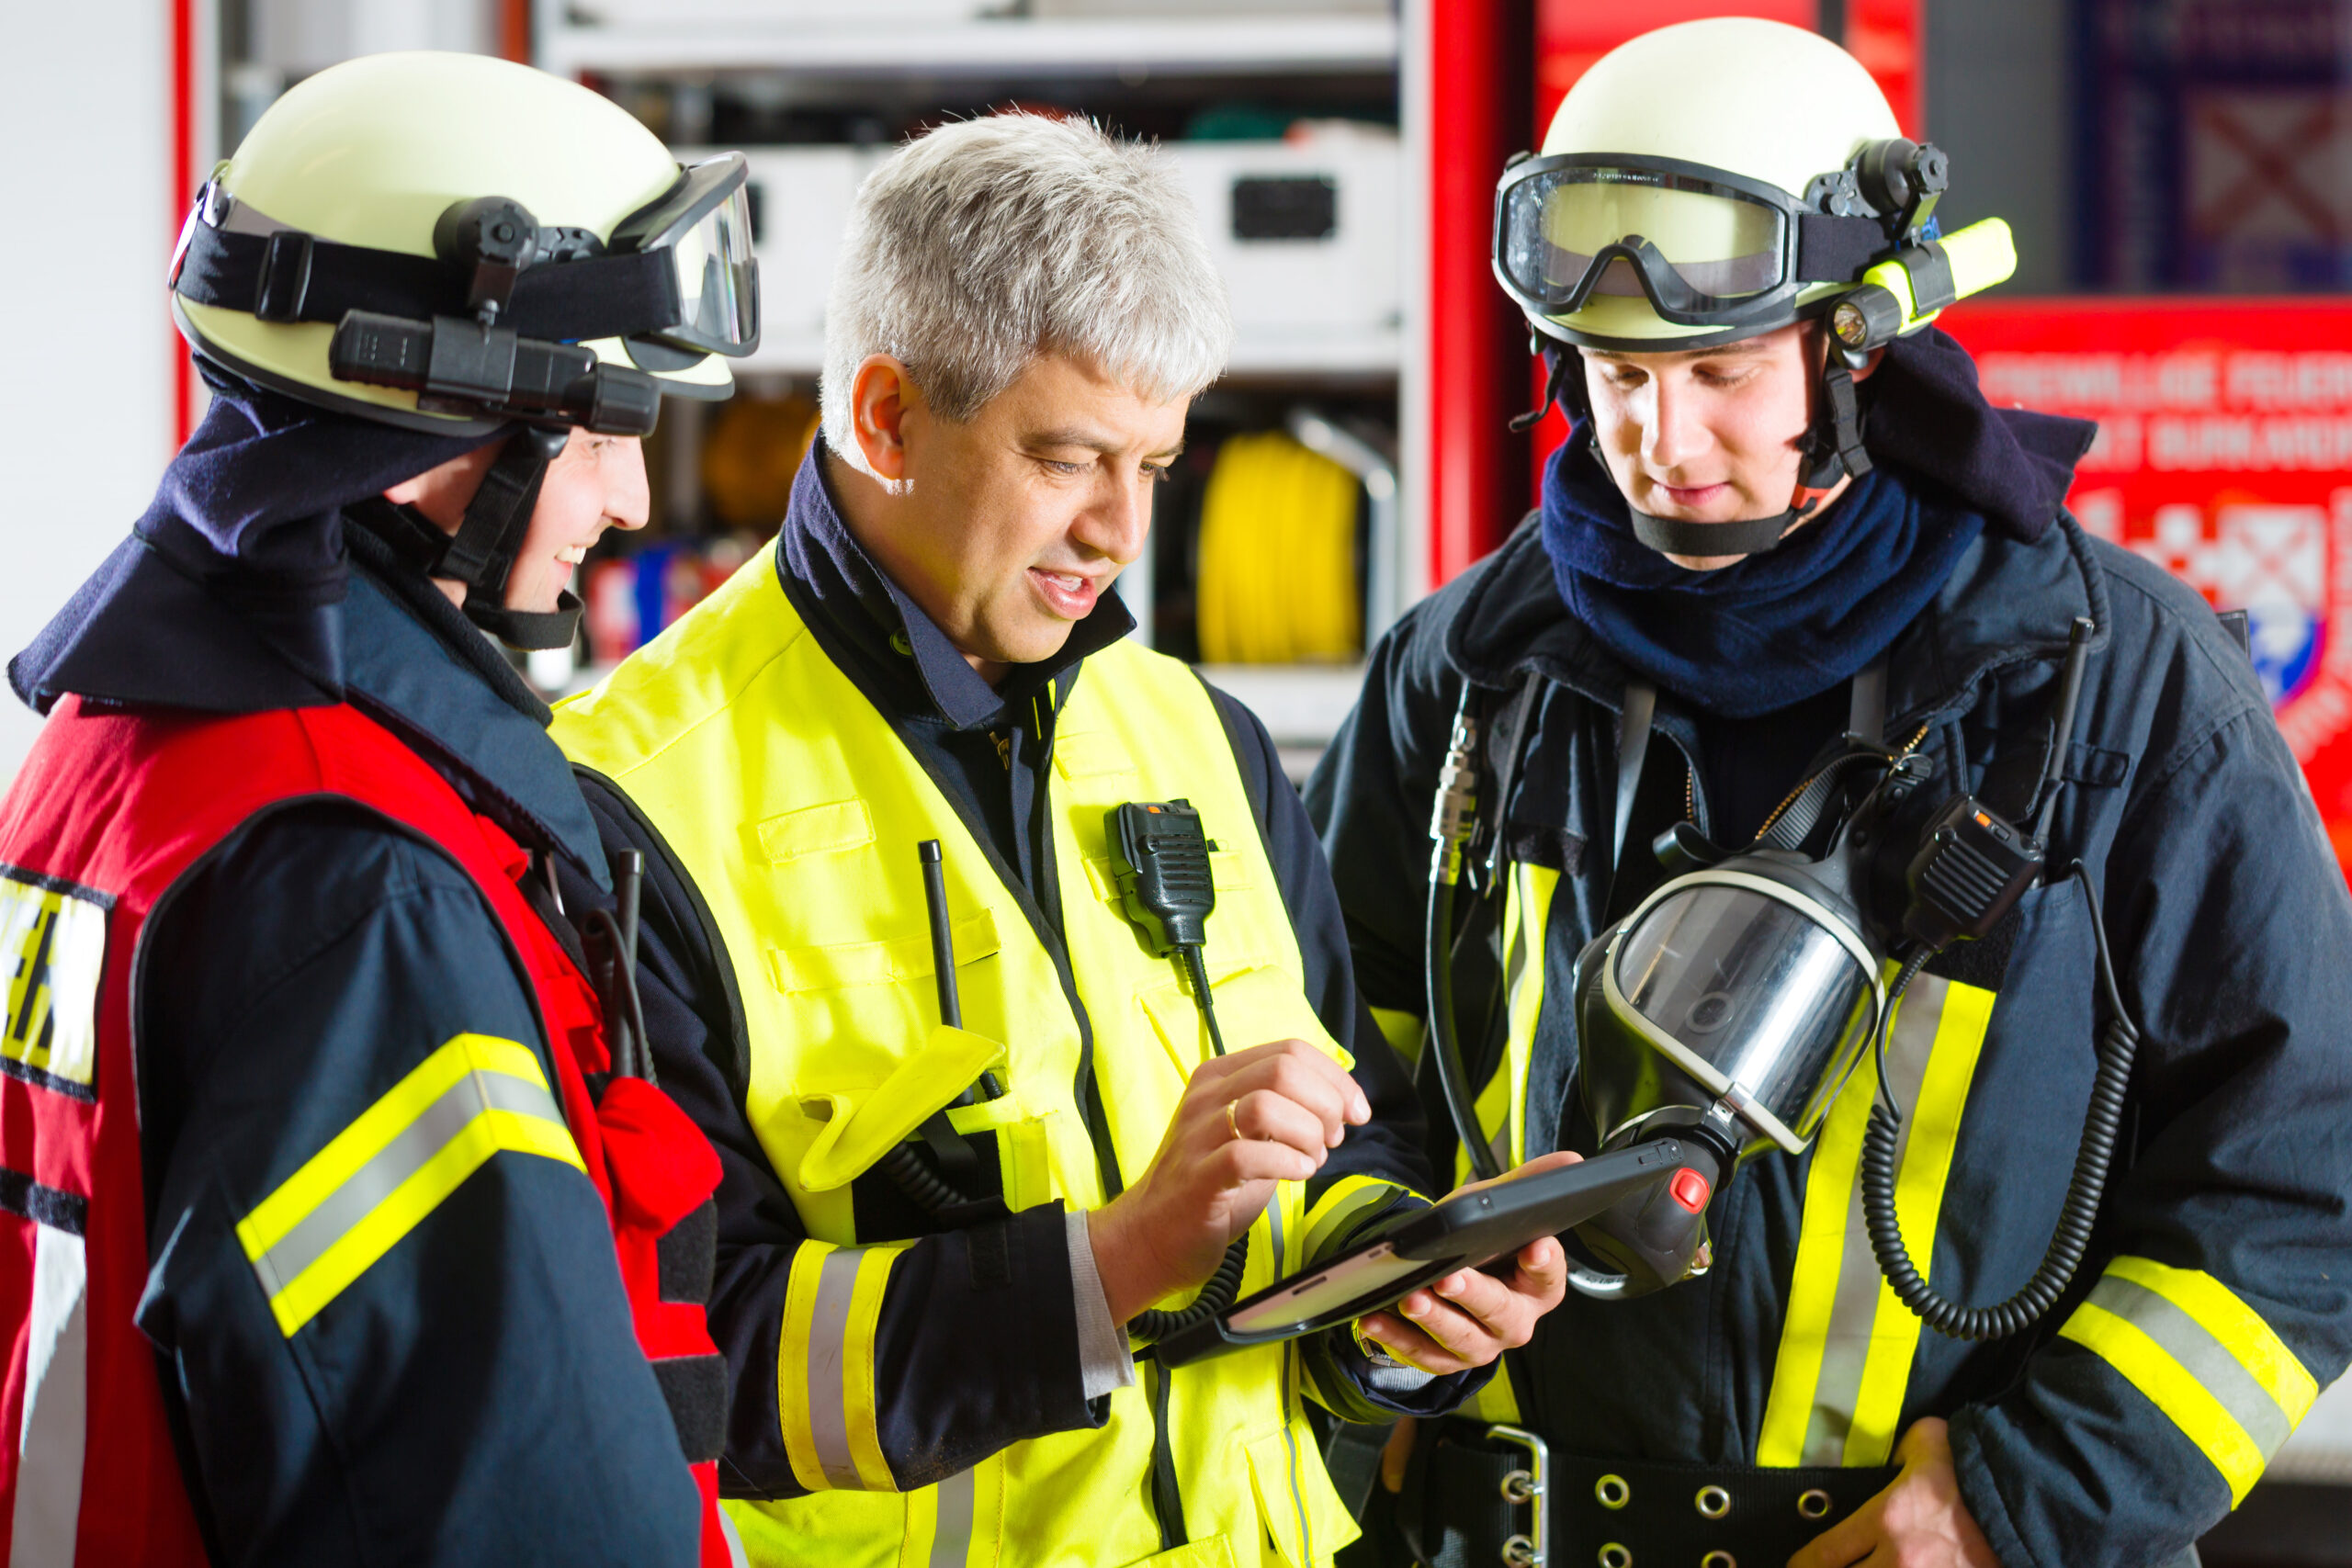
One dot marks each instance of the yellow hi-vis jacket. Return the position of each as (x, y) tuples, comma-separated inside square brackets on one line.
[(796, 811)]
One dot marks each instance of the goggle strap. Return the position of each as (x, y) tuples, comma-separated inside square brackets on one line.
[(1839, 250), (289, 276)]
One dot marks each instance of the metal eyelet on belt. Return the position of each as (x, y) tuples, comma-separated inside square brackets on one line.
[(1520, 1487), (1613, 1492), (1615, 1556), (1814, 1502), (1719, 1560), (1713, 1502), (1520, 1553)]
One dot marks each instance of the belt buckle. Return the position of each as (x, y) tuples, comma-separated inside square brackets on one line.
[(1527, 1487)]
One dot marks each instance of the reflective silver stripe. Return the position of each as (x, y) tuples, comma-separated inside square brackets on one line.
[(47, 1515), (951, 1539), (736, 1556), (1845, 1355), (827, 1367), (364, 1188), (2202, 1357)]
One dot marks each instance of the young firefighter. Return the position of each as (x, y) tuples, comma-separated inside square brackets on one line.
[(1788, 540), (344, 1223), (931, 1238)]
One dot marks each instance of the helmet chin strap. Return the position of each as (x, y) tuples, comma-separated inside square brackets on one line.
[(481, 553), (1831, 449)]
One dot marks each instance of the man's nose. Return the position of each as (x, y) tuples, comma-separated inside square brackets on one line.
[(1673, 434), (1119, 521)]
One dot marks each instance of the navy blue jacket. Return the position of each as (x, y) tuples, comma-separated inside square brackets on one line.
[(477, 1393), (965, 1364), (2077, 1443)]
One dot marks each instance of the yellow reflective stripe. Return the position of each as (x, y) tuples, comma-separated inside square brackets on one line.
[(2238, 1326), (2170, 1387), (1334, 1212), (1403, 1031), (1501, 1104), (859, 1398), (1933, 1133), (1530, 893), (792, 1390), (375, 1181), (1848, 1345), (2202, 1357), (1813, 1285)]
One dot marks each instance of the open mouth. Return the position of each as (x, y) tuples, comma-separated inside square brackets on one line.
[(1068, 593)]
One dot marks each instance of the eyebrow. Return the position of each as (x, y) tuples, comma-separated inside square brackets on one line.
[(1744, 346), (1071, 435)]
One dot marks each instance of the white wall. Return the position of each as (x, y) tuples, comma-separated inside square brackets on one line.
[(85, 382)]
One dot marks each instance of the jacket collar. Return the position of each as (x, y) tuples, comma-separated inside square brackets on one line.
[(885, 642), (416, 665), (2008, 602)]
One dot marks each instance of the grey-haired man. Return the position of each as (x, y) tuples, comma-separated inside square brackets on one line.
[(935, 1242)]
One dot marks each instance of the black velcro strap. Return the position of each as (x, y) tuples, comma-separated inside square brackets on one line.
[(27, 1199), (259, 273), (687, 1257), (1839, 250), (616, 296), (696, 1388), (292, 276)]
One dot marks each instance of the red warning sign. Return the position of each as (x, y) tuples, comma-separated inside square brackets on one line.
[(2224, 454)]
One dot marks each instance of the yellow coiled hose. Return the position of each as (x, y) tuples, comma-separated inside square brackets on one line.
[(1277, 576)]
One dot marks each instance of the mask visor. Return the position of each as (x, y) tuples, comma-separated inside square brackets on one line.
[(1703, 252), (1751, 993), (704, 224)]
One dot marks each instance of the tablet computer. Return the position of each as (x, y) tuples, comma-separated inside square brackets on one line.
[(1462, 1232)]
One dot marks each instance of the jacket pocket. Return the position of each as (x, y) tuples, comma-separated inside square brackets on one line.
[(1253, 1006), (1215, 1552), (862, 1125)]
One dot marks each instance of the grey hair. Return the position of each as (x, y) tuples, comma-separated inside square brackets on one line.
[(976, 248)]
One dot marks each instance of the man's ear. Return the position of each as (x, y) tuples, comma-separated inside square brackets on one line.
[(881, 396)]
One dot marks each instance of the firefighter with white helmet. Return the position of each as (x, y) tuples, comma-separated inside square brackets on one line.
[(2036, 1259), (348, 1223)]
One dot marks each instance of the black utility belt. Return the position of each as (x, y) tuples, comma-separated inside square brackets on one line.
[(1477, 1496)]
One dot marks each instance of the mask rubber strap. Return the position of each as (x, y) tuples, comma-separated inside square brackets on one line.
[(1633, 751)]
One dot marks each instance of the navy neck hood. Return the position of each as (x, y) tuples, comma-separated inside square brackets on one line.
[(228, 595), (1782, 626)]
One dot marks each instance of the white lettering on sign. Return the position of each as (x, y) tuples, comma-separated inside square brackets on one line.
[(52, 954)]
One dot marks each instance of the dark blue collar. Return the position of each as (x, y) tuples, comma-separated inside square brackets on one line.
[(405, 666), (885, 642)]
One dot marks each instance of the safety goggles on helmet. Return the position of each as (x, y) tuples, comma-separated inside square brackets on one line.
[(702, 226), (1707, 248), (677, 281)]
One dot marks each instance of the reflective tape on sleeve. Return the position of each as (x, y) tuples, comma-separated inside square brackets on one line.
[(354, 1201), (2202, 1355), (826, 1393)]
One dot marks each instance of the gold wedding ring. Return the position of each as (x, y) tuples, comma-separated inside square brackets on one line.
[(1233, 1118)]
